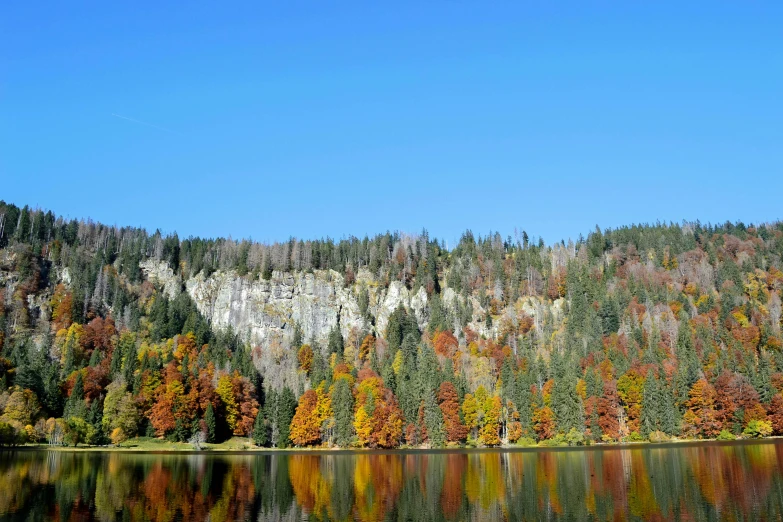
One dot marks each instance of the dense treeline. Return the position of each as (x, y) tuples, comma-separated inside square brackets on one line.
[(644, 332)]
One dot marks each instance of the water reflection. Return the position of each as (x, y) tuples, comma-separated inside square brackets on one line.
[(706, 482)]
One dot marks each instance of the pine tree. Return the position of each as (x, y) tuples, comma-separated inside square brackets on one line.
[(129, 364), (75, 406), (260, 430), (209, 420), (508, 390), (342, 405), (649, 418), (286, 408), (669, 412), (433, 420), (762, 378), (298, 339), (686, 354), (568, 408), (336, 344), (94, 419), (319, 369), (610, 318), (524, 402), (116, 361)]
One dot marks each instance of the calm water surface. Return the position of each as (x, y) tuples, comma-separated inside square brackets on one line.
[(685, 482)]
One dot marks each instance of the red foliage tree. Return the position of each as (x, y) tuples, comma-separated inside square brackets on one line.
[(98, 335), (608, 418), (775, 414), (448, 400)]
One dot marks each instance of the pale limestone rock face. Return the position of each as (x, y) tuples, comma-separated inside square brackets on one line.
[(386, 303), (161, 274), (418, 304), (261, 311)]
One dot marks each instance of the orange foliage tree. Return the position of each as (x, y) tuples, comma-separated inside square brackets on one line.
[(378, 420), (305, 427), (62, 307), (448, 400), (700, 419), (305, 357), (445, 344), (544, 422)]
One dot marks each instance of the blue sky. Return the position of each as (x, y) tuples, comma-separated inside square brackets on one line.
[(278, 119)]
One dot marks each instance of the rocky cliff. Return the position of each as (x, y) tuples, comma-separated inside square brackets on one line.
[(262, 310)]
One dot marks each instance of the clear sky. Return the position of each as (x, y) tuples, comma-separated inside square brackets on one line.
[(278, 119)]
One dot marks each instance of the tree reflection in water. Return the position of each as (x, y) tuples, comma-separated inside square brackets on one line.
[(698, 482)]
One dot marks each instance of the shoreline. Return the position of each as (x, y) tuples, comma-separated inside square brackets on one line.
[(170, 448)]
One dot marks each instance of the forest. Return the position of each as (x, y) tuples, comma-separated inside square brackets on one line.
[(646, 332)]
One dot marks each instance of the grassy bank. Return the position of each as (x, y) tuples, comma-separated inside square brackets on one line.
[(148, 444)]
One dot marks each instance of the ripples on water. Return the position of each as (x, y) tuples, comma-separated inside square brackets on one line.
[(688, 482)]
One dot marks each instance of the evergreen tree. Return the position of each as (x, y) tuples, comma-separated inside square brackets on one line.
[(286, 408), (95, 419), (566, 404), (342, 406), (762, 381), (116, 361), (609, 315), (651, 406), (298, 339), (429, 377), (686, 354), (75, 406), (335, 343), (508, 381), (211, 423), (260, 430), (433, 420), (524, 402), (270, 416), (400, 325), (669, 412), (439, 320), (320, 371)]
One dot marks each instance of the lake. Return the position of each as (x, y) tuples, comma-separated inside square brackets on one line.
[(707, 481)]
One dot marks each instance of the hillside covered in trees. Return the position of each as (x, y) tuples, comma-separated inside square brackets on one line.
[(643, 332)]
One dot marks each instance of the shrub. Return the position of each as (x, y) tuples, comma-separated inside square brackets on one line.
[(77, 431), (758, 428), (635, 436), (526, 441), (726, 435), (575, 437), (8, 435), (557, 440), (118, 436), (658, 436)]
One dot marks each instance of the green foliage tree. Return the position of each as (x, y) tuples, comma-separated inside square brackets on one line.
[(211, 423), (342, 405), (286, 408)]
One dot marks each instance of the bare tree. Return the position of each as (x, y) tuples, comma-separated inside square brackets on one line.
[(197, 440)]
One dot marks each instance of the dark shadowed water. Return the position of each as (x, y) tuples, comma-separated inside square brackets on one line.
[(678, 482)]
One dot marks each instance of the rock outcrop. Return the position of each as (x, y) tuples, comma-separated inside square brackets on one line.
[(261, 311)]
